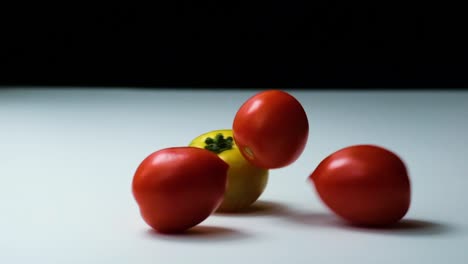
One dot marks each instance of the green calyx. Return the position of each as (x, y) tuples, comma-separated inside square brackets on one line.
[(219, 143)]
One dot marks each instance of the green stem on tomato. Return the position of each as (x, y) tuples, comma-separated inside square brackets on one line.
[(218, 144)]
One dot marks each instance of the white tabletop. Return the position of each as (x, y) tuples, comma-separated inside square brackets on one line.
[(67, 158)]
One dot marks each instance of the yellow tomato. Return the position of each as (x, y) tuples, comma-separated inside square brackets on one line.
[(246, 182)]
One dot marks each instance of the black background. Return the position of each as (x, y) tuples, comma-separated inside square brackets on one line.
[(341, 44)]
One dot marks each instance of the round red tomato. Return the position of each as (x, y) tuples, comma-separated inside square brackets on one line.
[(177, 188), (364, 184), (271, 129)]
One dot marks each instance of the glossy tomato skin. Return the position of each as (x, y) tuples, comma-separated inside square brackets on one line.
[(271, 129), (364, 184), (178, 188)]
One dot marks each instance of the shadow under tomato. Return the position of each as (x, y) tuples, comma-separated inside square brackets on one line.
[(416, 227), (259, 208), (200, 233)]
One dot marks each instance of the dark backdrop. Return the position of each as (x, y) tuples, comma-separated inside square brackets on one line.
[(343, 44)]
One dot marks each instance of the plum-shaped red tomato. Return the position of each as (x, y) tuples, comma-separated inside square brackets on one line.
[(364, 184), (177, 188)]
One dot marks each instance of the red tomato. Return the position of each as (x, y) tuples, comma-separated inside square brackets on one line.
[(177, 188), (364, 184), (271, 129)]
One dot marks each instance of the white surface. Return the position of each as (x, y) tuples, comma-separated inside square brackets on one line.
[(67, 158)]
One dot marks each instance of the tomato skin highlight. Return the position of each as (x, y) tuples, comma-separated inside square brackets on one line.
[(366, 185), (271, 129), (178, 188)]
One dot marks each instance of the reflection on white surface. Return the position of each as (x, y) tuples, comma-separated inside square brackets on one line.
[(67, 158)]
